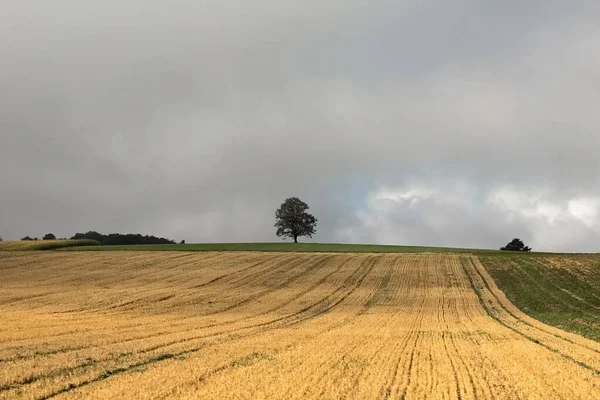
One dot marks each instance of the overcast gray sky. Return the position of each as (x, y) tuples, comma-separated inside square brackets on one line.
[(455, 123)]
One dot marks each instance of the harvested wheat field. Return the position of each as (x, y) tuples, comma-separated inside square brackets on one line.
[(135, 325)]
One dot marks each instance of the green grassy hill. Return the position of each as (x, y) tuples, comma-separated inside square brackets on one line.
[(562, 290)]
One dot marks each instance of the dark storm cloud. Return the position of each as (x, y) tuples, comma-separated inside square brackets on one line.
[(196, 119)]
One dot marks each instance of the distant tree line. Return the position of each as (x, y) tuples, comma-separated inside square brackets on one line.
[(110, 239), (48, 236), (122, 239)]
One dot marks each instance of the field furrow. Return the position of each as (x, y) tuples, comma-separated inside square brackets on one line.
[(276, 325)]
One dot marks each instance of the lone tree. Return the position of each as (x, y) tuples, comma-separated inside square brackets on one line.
[(292, 220), (516, 245), (49, 236)]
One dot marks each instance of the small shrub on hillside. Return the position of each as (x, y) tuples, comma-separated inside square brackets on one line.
[(516, 245)]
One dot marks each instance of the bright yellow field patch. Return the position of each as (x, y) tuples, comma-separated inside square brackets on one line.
[(22, 245), (132, 325), (25, 245)]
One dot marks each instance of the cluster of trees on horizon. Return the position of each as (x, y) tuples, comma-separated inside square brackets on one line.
[(112, 238), (48, 236), (122, 239)]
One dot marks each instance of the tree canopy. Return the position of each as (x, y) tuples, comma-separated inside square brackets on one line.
[(292, 220), (516, 245), (49, 236)]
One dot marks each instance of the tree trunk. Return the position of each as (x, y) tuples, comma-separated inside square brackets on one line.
[(295, 239)]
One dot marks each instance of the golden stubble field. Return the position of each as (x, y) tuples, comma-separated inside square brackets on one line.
[(135, 325)]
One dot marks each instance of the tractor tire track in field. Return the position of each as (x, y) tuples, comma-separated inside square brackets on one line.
[(502, 304), (267, 325), (507, 318), (142, 337), (145, 337), (293, 319), (195, 325)]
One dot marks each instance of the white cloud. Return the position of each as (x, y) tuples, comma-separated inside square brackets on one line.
[(528, 203), (411, 196), (585, 209), (435, 213)]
